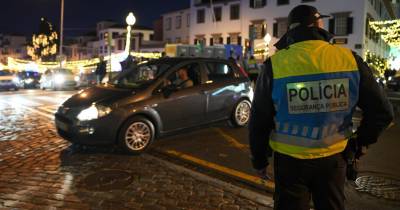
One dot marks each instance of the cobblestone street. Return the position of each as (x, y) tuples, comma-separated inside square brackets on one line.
[(39, 170)]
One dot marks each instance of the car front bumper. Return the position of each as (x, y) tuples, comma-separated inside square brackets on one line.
[(7, 85), (101, 131)]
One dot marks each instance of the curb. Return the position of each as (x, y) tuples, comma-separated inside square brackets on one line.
[(254, 196)]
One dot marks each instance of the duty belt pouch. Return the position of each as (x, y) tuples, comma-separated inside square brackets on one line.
[(349, 155)]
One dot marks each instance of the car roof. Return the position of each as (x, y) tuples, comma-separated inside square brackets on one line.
[(180, 59)]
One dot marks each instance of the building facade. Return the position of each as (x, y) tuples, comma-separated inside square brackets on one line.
[(12, 46), (115, 35), (176, 27), (247, 22)]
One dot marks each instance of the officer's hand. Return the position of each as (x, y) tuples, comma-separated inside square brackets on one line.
[(262, 173)]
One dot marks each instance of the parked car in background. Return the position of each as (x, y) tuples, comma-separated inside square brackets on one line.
[(29, 79), (58, 79), (87, 79), (154, 99), (393, 83), (8, 80)]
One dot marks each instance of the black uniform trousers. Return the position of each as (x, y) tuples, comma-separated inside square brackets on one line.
[(298, 180)]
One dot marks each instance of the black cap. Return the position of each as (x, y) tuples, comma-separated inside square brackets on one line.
[(304, 15)]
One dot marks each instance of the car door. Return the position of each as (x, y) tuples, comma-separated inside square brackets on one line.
[(182, 106), (221, 90)]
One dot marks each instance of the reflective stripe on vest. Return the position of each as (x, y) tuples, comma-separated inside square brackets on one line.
[(315, 91)]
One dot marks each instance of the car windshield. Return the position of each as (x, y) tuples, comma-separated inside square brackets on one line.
[(142, 74), (5, 73), (28, 74)]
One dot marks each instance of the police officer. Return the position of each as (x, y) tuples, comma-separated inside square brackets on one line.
[(302, 111)]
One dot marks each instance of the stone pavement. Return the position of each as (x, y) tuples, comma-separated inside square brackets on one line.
[(39, 170)]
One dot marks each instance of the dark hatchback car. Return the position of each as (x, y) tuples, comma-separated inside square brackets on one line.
[(154, 99), (394, 83), (29, 79)]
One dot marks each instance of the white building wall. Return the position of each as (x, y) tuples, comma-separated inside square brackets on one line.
[(224, 27), (358, 10), (171, 35)]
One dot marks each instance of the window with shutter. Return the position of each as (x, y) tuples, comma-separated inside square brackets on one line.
[(332, 25), (275, 30), (259, 3), (200, 16), (282, 2), (282, 25), (342, 24), (218, 13), (349, 25), (233, 38), (235, 11), (259, 29)]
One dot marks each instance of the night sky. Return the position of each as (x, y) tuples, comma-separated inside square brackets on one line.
[(23, 16)]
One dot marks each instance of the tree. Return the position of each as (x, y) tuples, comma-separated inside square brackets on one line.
[(44, 43)]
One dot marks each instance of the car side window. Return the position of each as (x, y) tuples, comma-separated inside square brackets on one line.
[(217, 71), (185, 77)]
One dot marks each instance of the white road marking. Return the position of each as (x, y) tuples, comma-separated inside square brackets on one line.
[(33, 110)]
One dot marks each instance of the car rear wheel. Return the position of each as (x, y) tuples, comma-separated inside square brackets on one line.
[(241, 113), (136, 135)]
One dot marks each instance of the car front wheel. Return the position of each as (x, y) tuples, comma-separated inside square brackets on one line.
[(241, 113), (136, 135)]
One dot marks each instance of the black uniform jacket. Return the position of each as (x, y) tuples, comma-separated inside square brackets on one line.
[(377, 111)]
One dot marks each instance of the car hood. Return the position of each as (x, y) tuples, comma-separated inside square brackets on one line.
[(6, 77), (98, 94)]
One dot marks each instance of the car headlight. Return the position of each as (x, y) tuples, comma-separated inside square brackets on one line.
[(59, 79), (29, 81), (93, 112), (15, 80), (77, 78)]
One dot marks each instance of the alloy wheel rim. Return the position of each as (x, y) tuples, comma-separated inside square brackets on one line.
[(242, 113), (137, 136)]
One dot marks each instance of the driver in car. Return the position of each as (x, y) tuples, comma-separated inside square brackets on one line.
[(183, 80)]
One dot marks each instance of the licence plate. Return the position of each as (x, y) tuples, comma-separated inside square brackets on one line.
[(62, 125)]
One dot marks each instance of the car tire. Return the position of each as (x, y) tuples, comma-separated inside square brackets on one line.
[(136, 135), (241, 113)]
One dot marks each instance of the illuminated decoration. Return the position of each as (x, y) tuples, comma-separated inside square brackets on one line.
[(76, 66), (389, 30), (261, 50), (44, 44), (378, 64)]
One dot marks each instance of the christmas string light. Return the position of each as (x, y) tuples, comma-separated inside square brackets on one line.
[(389, 30)]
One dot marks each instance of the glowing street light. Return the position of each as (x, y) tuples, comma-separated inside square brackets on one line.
[(61, 33), (130, 20), (267, 38)]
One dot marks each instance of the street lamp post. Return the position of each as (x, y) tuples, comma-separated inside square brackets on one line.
[(130, 20), (61, 33)]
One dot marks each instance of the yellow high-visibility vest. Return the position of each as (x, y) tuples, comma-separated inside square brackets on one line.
[(315, 91)]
